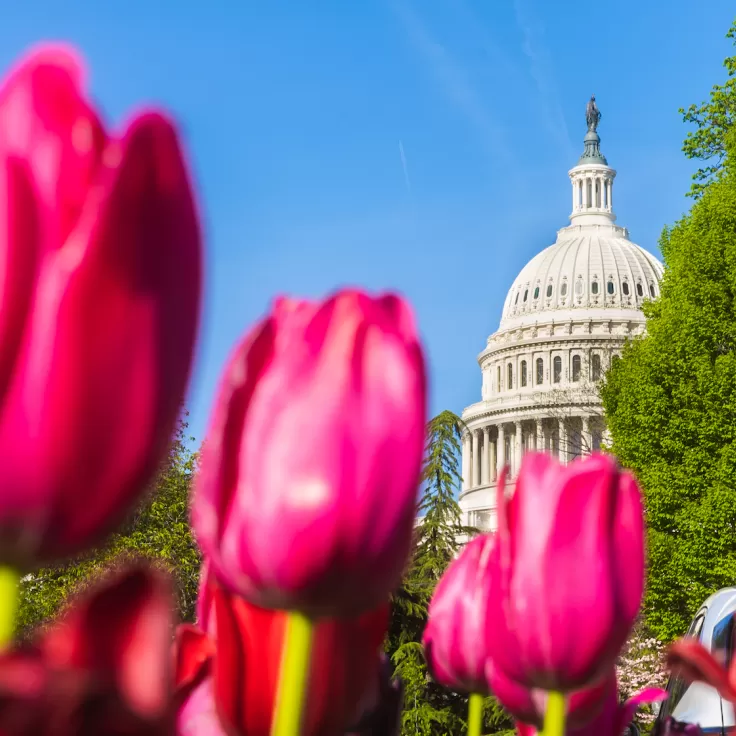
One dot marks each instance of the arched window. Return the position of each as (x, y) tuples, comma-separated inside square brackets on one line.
[(651, 290), (549, 290), (615, 359), (575, 367), (563, 288), (579, 288), (557, 369), (540, 371), (536, 292), (594, 287), (509, 377), (523, 373), (595, 367), (640, 289), (625, 288), (498, 378), (611, 287), (516, 301), (526, 294)]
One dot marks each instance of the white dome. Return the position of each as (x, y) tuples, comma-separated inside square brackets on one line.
[(590, 268)]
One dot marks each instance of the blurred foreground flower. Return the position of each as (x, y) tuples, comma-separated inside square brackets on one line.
[(454, 638), (613, 717), (238, 668), (689, 659), (530, 706), (102, 669), (102, 244), (568, 572), (307, 492)]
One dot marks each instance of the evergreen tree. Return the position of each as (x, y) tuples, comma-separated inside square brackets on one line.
[(157, 530), (430, 709), (713, 119), (671, 408)]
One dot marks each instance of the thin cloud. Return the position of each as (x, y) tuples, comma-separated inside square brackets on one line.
[(457, 86), (405, 168), (540, 68)]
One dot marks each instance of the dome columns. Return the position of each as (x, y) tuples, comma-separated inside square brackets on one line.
[(592, 194)]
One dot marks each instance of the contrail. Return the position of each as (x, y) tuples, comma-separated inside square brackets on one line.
[(405, 167)]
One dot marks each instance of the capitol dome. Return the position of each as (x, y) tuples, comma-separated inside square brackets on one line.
[(565, 319), (589, 268)]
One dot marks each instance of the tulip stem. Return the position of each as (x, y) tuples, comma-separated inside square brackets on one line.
[(475, 714), (293, 677), (554, 718), (9, 580)]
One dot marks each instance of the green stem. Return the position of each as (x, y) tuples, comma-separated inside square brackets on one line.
[(293, 677), (554, 718), (475, 714), (9, 580)]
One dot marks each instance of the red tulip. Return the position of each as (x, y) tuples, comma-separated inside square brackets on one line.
[(240, 668), (102, 669), (568, 572), (692, 661), (108, 316), (454, 638), (307, 492), (613, 717)]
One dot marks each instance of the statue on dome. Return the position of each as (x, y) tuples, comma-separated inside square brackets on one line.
[(592, 114)]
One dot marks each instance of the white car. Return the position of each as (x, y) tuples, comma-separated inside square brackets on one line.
[(713, 627)]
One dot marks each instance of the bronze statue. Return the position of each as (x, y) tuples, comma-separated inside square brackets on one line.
[(592, 114)]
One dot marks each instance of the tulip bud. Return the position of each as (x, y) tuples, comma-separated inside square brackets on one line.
[(454, 638), (112, 309), (568, 572), (307, 492)]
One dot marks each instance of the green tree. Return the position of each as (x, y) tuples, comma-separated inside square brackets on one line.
[(157, 530), (430, 709), (712, 119), (671, 408)]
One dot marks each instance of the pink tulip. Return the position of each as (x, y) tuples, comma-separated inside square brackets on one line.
[(454, 639), (307, 492), (569, 572), (529, 706), (613, 717), (108, 317)]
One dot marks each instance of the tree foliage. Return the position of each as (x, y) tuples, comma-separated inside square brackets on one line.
[(713, 119), (430, 709), (158, 530), (671, 403)]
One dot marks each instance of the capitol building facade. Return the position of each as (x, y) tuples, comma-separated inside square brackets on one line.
[(566, 317)]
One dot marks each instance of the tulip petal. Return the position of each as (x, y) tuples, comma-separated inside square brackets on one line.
[(194, 652), (627, 711), (100, 385), (20, 243), (123, 631), (691, 660), (46, 121)]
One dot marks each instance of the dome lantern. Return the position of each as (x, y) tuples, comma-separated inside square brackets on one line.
[(592, 177)]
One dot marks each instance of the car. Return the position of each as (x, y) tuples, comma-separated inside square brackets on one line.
[(698, 703)]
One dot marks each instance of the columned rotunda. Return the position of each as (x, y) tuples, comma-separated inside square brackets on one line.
[(566, 317)]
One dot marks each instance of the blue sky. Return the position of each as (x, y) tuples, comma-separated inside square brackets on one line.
[(418, 145)]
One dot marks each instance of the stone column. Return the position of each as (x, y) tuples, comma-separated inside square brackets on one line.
[(486, 465), (562, 442), (540, 436), (587, 437), (466, 461), (492, 465), (610, 195), (518, 448), (476, 456), (500, 449)]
